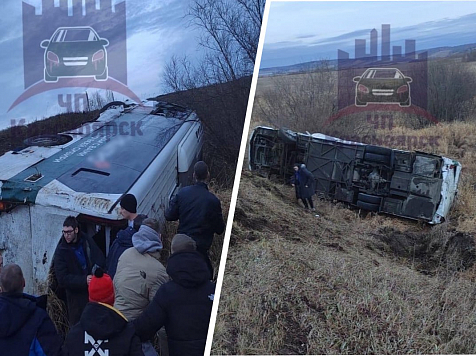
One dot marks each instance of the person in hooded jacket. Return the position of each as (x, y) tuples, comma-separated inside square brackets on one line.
[(138, 277), (184, 304), (123, 239), (304, 183), (25, 327), (102, 329)]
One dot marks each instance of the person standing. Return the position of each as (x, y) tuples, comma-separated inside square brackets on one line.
[(25, 327), (304, 183), (73, 261), (198, 211), (184, 304), (102, 330), (139, 275), (123, 239)]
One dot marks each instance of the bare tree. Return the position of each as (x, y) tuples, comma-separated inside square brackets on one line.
[(96, 101), (451, 90), (218, 86), (109, 96), (302, 101), (230, 34)]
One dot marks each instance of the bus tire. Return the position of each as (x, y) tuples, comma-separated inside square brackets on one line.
[(47, 140), (374, 157), (287, 136), (369, 198), (384, 151), (368, 206)]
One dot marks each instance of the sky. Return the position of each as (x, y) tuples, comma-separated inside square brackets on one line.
[(302, 31), (297, 31), (155, 31)]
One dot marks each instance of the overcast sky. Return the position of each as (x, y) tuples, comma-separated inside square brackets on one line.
[(300, 31), (156, 30)]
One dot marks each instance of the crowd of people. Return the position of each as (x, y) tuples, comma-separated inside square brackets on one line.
[(119, 304)]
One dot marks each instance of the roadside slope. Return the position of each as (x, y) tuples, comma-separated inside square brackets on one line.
[(341, 283)]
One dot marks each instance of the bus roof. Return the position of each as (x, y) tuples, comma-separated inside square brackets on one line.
[(110, 155)]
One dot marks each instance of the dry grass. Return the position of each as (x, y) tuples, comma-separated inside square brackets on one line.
[(57, 310), (13, 137), (298, 284), (350, 283)]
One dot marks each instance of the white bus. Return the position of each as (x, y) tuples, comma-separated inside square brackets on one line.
[(147, 150), (414, 185)]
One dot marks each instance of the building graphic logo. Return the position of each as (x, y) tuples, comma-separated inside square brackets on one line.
[(369, 82), (83, 46)]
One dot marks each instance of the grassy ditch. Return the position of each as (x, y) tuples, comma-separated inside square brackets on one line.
[(346, 282)]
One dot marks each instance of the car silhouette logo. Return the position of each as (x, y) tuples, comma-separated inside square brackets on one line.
[(382, 86), (75, 52)]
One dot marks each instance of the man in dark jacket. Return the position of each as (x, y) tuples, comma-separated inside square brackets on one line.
[(123, 239), (183, 304), (102, 330), (74, 258), (198, 211), (25, 328)]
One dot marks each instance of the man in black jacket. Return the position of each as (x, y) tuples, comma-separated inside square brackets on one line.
[(25, 327), (123, 239), (198, 211), (74, 258), (184, 304)]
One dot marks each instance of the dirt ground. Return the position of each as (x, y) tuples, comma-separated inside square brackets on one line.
[(346, 282)]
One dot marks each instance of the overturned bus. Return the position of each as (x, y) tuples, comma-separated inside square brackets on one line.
[(413, 185), (147, 150)]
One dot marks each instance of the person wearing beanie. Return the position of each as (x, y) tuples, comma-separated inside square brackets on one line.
[(123, 239), (198, 212), (102, 329), (181, 243), (184, 304), (129, 204), (139, 275), (101, 288)]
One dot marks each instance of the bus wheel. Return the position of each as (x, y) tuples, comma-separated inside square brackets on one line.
[(373, 157), (367, 206), (384, 151), (368, 198)]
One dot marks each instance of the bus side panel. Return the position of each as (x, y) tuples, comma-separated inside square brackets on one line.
[(332, 166), (15, 241), (157, 183), (157, 197), (189, 152), (46, 225)]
